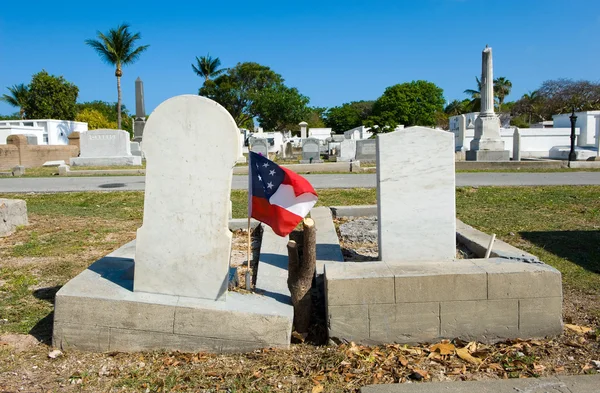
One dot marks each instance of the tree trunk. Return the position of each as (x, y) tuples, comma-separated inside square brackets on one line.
[(119, 102), (300, 276)]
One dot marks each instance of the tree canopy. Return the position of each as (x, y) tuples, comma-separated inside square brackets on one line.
[(349, 115), (95, 119), (17, 97), (251, 90), (410, 104), (51, 97), (109, 111), (207, 67)]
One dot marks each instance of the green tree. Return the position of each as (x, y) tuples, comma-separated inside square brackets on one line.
[(475, 94), (208, 68), (280, 107), (349, 115), (109, 111), (502, 87), (315, 118), (51, 97), (17, 97), (457, 107), (410, 104), (238, 89), (95, 119), (117, 48)]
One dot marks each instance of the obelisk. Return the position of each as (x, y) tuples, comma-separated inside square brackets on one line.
[(140, 111), (487, 144)]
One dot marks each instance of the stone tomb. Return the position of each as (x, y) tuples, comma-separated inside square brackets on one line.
[(366, 150), (415, 194), (310, 151), (13, 214), (105, 148), (347, 150), (259, 146), (174, 296)]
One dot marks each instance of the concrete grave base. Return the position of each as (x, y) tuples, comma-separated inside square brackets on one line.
[(487, 155), (98, 311), (13, 213), (106, 161)]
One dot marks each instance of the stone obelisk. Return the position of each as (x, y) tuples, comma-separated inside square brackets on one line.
[(140, 111), (487, 144)]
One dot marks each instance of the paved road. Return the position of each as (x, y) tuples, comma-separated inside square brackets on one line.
[(126, 183)]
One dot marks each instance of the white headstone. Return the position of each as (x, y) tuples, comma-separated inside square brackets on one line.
[(347, 150), (516, 145), (104, 143), (183, 246), (415, 195)]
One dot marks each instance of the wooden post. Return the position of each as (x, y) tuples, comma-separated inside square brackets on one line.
[(301, 274)]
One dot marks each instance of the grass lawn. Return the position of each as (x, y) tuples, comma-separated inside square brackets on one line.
[(68, 231)]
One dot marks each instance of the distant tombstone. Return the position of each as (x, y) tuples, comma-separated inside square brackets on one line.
[(135, 148), (311, 150), (260, 146), (347, 150), (366, 150), (338, 138), (289, 152), (416, 195), (516, 145), (105, 148), (184, 244)]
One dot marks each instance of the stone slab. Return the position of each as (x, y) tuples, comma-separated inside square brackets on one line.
[(311, 150), (13, 214), (358, 283), (106, 161), (53, 163), (416, 195), (99, 311), (483, 320), (540, 317), (309, 162), (354, 211), (104, 143), (328, 244), (404, 322), (487, 155), (438, 281), (366, 150), (348, 323), (556, 384), (184, 244)]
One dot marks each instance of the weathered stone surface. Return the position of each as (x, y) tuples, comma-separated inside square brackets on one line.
[(259, 146), (184, 243), (80, 336), (416, 195), (13, 213), (328, 245), (347, 150), (358, 283), (311, 150), (540, 317), (438, 281), (404, 322), (483, 320), (350, 323), (105, 148), (366, 150), (511, 279)]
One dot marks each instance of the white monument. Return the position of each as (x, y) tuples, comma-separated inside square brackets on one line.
[(303, 126), (487, 144), (183, 246), (416, 195), (105, 148)]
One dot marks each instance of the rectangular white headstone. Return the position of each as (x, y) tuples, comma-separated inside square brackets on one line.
[(416, 195), (184, 244), (104, 143)]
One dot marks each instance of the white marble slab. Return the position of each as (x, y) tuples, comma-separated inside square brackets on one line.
[(183, 246), (415, 195)]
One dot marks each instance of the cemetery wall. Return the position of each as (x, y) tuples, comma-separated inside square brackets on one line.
[(587, 122), (55, 132), (19, 152)]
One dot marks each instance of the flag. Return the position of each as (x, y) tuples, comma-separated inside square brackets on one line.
[(277, 196)]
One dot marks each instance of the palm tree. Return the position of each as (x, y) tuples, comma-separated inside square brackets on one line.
[(207, 67), (530, 101), (475, 96), (502, 87), (117, 48), (18, 94)]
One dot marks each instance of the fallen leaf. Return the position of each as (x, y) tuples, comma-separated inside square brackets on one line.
[(317, 389), (54, 354), (403, 361), (578, 329), (538, 367), (559, 369), (443, 348), (464, 354)]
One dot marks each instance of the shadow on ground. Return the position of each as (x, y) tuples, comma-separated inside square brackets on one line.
[(42, 330), (579, 247)]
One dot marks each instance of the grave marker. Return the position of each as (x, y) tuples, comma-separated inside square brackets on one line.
[(183, 246), (366, 150), (104, 148), (311, 150), (416, 195), (260, 146)]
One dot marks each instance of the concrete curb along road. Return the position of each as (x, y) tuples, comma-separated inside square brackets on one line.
[(319, 181), (557, 384)]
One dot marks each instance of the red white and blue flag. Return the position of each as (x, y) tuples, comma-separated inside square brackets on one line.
[(277, 196)]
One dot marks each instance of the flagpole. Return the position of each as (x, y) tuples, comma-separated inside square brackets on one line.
[(249, 253)]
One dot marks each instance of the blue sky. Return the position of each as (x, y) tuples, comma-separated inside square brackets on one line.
[(332, 51)]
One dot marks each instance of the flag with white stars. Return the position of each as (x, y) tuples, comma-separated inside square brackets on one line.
[(278, 197)]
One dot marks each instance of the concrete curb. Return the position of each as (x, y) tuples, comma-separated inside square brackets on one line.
[(558, 384)]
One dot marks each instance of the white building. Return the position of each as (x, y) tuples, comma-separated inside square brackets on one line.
[(587, 122), (47, 131), (358, 133), (320, 133)]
